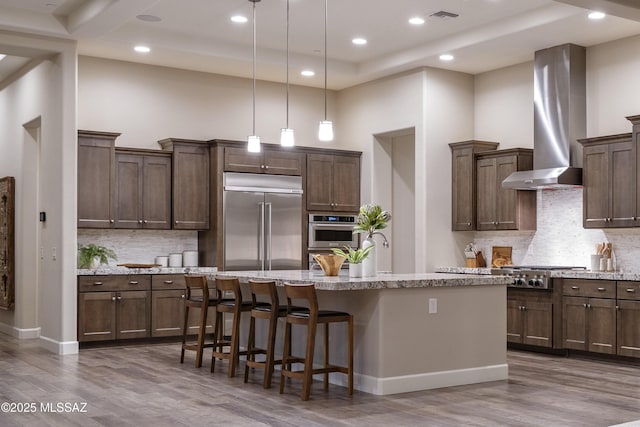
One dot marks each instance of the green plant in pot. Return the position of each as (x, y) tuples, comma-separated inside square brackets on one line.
[(92, 256), (354, 257), (371, 219)]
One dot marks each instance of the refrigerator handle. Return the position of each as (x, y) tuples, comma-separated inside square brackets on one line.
[(261, 237), (268, 245)]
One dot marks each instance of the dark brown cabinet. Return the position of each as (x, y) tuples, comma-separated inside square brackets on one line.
[(530, 318), (96, 179), (610, 182), (113, 307), (333, 182), (270, 161), (628, 319), (589, 315), (463, 188), (143, 190), (190, 194), (499, 208), (167, 307)]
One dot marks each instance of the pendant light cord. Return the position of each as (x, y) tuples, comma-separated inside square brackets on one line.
[(287, 118), (254, 67), (325, 59)]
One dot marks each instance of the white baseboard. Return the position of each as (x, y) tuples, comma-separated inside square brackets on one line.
[(425, 381), (59, 347), (20, 333)]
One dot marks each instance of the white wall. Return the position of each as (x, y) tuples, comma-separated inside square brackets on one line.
[(42, 97)]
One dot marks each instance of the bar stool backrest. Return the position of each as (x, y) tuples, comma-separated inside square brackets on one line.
[(302, 292), (196, 283), (264, 291), (229, 284)]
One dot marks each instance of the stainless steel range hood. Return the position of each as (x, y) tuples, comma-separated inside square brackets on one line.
[(559, 120)]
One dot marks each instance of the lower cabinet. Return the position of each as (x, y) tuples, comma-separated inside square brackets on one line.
[(589, 315), (530, 318), (113, 307), (628, 319)]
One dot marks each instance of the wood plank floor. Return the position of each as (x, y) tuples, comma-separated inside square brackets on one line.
[(147, 386)]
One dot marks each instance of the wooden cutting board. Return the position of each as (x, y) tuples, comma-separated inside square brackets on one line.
[(131, 265), (500, 256)]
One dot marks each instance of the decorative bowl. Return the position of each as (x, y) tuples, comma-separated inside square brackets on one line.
[(330, 264)]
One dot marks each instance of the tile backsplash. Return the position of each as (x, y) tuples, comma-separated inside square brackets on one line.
[(140, 246), (560, 238)]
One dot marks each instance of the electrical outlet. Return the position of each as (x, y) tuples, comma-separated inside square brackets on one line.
[(53, 253), (433, 305), (41, 252)]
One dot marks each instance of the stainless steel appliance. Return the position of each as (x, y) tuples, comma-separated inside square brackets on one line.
[(531, 276), (262, 217), (328, 231)]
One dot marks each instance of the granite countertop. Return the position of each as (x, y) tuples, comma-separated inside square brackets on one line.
[(564, 274), (382, 281), (113, 270)]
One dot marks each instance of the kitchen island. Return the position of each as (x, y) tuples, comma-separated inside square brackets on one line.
[(412, 331)]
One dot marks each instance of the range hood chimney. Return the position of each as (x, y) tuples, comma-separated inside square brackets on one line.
[(559, 120)]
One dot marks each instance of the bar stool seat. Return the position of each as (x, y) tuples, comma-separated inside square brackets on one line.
[(235, 306), (311, 318), (202, 302)]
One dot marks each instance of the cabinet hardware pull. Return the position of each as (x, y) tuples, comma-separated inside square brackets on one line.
[(469, 224), (119, 297), (144, 222), (100, 284), (112, 221), (588, 305), (177, 222), (575, 287), (266, 166), (113, 299), (139, 221), (182, 296), (631, 290), (601, 289), (168, 282), (584, 305), (618, 307), (133, 282)]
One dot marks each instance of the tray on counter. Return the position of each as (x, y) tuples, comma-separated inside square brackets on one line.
[(132, 265)]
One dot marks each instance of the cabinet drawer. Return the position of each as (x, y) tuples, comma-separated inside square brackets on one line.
[(629, 290), (141, 282), (589, 288), (167, 281)]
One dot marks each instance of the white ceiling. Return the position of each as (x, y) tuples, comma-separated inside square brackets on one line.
[(198, 34)]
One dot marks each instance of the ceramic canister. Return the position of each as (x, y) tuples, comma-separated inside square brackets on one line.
[(175, 260), (163, 261), (190, 258)]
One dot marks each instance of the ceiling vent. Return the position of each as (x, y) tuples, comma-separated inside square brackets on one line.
[(443, 14)]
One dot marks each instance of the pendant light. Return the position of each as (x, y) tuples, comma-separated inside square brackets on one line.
[(325, 130), (286, 134), (253, 141)]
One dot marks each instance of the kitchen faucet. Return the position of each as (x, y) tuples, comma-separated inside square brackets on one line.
[(385, 242)]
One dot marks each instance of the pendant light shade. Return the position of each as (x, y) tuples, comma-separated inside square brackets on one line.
[(286, 134), (253, 141), (325, 130)]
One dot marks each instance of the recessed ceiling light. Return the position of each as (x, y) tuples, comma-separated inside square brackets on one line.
[(308, 73), (596, 15), (416, 20), (2, 56), (149, 18), (142, 49), (239, 19), (359, 40), (446, 57)]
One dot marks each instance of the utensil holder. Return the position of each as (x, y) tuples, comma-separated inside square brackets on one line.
[(595, 262)]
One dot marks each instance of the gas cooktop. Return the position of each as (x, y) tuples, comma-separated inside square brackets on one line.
[(531, 276)]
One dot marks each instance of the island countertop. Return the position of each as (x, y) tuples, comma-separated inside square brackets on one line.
[(343, 282)]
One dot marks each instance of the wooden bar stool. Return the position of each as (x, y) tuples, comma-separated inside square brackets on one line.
[(235, 306), (265, 305), (311, 319), (201, 300)]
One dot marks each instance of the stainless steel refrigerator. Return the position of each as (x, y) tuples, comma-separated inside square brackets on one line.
[(262, 222)]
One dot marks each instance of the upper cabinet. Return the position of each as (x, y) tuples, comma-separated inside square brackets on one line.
[(190, 183), (463, 189), (143, 189), (333, 182), (270, 161), (500, 208), (96, 179), (610, 181)]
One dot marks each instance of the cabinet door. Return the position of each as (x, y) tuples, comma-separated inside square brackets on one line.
[(462, 209), (486, 192), (96, 183), (167, 312), (319, 182), (240, 160), (574, 323), (133, 314), (156, 193), (514, 321), (538, 324), (628, 328), (622, 190), (596, 186), (190, 187), (128, 191), (96, 316), (601, 322), (280, 162), (506, 199), (346, 183)]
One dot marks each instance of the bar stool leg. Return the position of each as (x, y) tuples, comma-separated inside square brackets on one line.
[(201, 333), (184, 332), (271, 344), (286, 352), (308, 360), (235, 343), (350, 355), (218, 334), (326, 356), (250, 346)]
